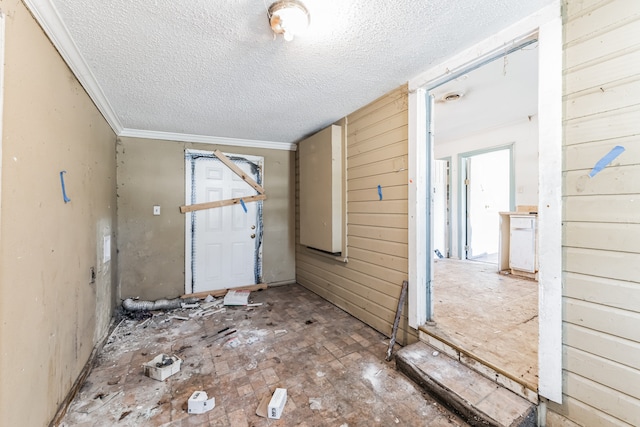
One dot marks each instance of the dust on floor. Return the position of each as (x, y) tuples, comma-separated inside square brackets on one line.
[(331, 364)]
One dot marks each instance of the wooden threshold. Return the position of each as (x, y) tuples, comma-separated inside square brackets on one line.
[(519, 386), (222, 292)]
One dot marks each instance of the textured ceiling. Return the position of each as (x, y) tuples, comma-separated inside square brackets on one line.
[(499, 93), (213, 68)]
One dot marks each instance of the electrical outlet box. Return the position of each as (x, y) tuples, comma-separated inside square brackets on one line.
[(156, 210)]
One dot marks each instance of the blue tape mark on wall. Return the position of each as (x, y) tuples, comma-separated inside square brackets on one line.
[(604, 162), (64, 191), (243, 205), (380, 192)]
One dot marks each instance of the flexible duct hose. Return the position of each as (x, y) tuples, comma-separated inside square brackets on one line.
[(161, 304)]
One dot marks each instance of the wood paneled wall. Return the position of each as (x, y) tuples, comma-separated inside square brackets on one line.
[(368, 285), (601, 224)]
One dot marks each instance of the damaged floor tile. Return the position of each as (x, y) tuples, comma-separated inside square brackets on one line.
[(331, 365)]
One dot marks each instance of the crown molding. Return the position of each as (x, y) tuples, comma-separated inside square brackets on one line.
[(49, 19), (204, 139)]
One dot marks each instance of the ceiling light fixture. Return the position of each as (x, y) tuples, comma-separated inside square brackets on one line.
[(289, 18), (452, 96)]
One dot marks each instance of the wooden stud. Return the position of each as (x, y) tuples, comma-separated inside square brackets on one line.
[(392, 341), (221, 292), (224, 159), (220, 203)]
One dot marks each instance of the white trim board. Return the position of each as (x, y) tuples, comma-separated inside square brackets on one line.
[(47, 16), (546, 25), (2, 42), (204, 139)]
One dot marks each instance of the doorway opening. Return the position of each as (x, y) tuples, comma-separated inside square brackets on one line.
[(490, 127), (223, 245), (487, 190), (441, 208)]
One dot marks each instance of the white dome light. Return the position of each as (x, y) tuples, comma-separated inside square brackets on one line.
[(289, 18)]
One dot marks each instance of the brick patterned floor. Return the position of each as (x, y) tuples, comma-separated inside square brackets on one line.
[(295, 340)]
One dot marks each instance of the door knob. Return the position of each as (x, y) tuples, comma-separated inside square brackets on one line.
[(253, 236)]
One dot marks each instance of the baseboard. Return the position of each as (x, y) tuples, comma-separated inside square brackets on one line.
[(282, 283)]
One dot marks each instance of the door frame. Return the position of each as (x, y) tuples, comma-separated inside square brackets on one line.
[(463, 223), (546, 26), (188, 234), (2, 67)]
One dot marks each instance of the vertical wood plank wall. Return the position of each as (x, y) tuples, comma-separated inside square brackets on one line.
[(601, 225), (368, 285)]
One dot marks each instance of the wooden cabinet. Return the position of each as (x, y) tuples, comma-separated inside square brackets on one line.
[(320, 166)]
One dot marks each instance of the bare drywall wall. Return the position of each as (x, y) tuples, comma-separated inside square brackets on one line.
[(51, 316), (151, 248)]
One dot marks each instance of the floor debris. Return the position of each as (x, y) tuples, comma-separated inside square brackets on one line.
[(98, 402), (276, 404), (263, 407), (256, 304), (199, 403), (130, 304), (249, 368), (237, 297), (315, 404), (162, 367), (194, 305)]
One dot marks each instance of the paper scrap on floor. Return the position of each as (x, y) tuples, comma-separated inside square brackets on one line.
[(237, 297)]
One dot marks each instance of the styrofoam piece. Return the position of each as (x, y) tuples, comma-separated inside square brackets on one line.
[(277, 402), (199, 403), (237, 297), (161, 373)]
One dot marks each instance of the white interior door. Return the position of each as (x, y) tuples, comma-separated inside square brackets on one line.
[(226, 241)]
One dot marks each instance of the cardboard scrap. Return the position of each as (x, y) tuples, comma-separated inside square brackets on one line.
[(263, 406)]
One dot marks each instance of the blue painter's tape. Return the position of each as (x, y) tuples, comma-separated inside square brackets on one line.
[(604, 162), (64, 191), (380, 192), (243, 205)]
